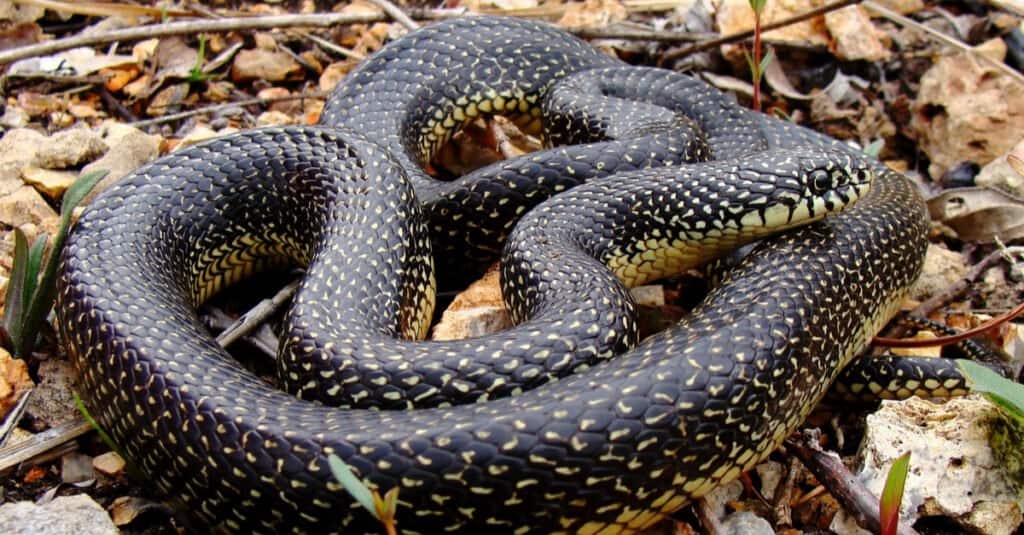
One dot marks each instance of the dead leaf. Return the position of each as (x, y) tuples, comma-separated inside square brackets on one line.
[(979, 214), (21, 34), (127, 508), (74, 62), (174, 59), (779, 82)]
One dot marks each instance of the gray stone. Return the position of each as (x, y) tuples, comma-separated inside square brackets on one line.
[(942, 268), (70, 515), (70, 148), (953, 470), (746, 523), (129, 149)]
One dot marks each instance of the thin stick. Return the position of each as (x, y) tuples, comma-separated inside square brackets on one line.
[(830, 471), (636, 34), (905, 21), (740, 36), (226, 105), (256, 315), (953, 338), (955, 289), (396, 13), (186, 27)]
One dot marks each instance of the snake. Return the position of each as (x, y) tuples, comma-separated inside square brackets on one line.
[(567, 423)]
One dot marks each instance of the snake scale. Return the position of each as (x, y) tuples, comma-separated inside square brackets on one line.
[(611, 448)]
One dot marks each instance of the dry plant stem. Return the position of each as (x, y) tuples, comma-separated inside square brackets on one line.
[(257, 315), (707, 517), (908, 22), (808, 496), (625, 34), (857, 500), (42, 443), (741, 36), (188, 27), (782, 508), (946, 340), (957, 288), (226, 105), (104, 9), (396, 13), (14, 417)]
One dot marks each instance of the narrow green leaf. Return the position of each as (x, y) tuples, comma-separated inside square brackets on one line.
[(352, 484), (42, 299), (77, 191), (892, 495), (1004, 393), (750, 64), (14, 310), (875, 148), (766, 60), (391, 503), (35, 258)]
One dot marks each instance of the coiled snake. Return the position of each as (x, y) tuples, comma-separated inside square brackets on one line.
[(609, 449)]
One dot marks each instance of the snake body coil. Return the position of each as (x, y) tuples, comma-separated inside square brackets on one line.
[(607, 450)]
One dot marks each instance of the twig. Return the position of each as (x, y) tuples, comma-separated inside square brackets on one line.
[(746, 34), (707, 517), (952, 338), (661, 36), (99, 9), (14, 417), (955, 289), (256, 315), (24, 450), (396, 13), (224, 106), (830, 471), (906, 21), (185, 27)]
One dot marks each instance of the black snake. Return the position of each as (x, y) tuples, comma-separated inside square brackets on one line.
[(609, 449)]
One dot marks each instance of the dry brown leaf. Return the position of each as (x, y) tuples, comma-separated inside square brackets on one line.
[(979, 214)]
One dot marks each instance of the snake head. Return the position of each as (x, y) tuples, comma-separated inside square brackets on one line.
[(808, 185)]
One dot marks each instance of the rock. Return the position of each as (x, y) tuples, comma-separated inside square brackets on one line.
[(14, 117), (52, 402), (14, 381), (903, 6), (70, 148), (844, 524), (26, 206), (48, 182), (942, 268), (1000, 174), (129, 149), (592, 14), (334, 73), (770, 473), (274, 118), (722, 495), (170, 99), (953, 470), (652, 295), (967, 109), (477, 311), (76, 467), (856, 37), (110, 464), (746, 523), (259, 64), (66, 515), (17, 151), (199, 132)]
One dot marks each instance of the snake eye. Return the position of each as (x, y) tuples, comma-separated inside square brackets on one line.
[(821, 181)]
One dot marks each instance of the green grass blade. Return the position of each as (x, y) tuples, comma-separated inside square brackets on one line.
[(892, 495), (352, 484), (35, 258), (14, 308), (42, 300), (1004, 393)]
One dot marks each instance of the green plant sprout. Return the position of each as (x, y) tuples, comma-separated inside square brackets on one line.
[(892, 495), (382, 508), (757, 64), (32, 288)]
